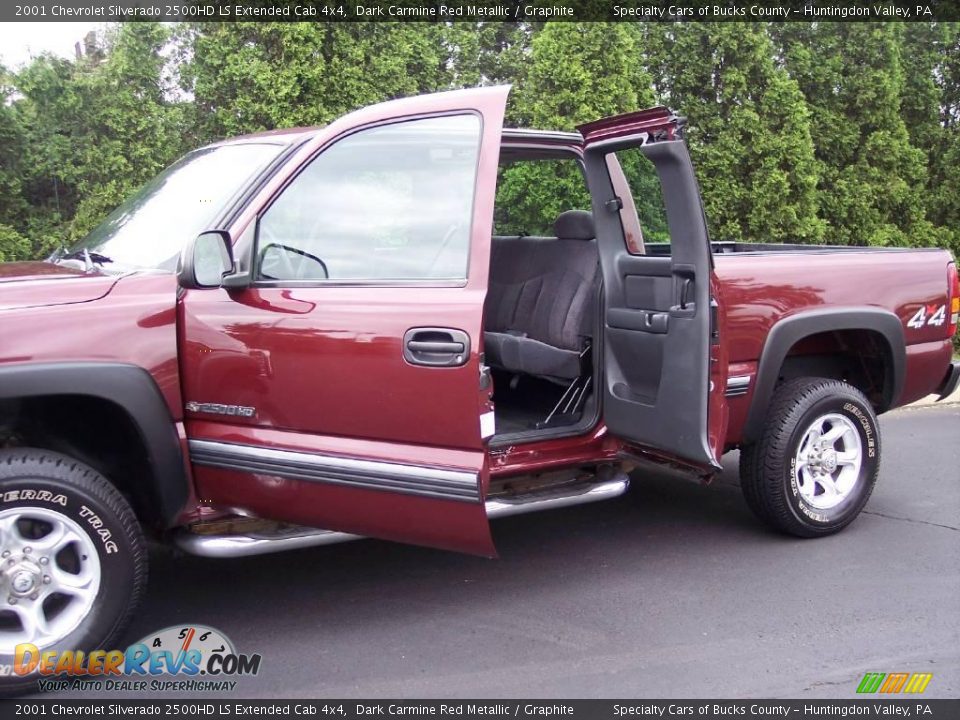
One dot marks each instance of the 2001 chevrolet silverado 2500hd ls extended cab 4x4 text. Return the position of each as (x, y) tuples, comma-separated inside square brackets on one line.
[(308, 336)]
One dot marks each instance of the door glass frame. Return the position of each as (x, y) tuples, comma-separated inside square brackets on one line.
[(394, 282)]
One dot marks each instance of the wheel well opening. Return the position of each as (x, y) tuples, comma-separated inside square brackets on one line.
[(93, 430), (862, 358)]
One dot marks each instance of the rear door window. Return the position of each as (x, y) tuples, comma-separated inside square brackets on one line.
[(531, 193)]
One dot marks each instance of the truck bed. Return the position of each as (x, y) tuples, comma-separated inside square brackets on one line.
[(759, 285)]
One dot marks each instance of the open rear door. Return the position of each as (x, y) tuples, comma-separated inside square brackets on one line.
[(657, 324)]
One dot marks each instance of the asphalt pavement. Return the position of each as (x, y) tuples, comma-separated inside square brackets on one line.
[(672, 591)]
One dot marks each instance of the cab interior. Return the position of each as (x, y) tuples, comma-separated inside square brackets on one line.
[(541, 313)]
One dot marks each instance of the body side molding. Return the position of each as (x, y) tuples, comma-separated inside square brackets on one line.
[(431, 482), (788, 331), (738, 385), (133, 390)]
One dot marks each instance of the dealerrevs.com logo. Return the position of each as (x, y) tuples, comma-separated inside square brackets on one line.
[(179, 658)]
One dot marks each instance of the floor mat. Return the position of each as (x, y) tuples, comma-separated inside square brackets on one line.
[(519, 409)]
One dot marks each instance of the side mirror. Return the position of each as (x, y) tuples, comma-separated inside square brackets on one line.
[(206, 262)]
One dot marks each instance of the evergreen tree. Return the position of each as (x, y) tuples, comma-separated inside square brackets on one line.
[(583, 71), (486, 53), (749, 130), (13, 206), (840, 132), (95, 129), (249, 76), (872, 179), (930, 104), (578, 72)]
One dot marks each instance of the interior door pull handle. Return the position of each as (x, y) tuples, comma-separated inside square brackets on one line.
[(685, 292)]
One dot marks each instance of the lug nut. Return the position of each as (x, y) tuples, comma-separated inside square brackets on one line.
[(35, 596), (11, 561), (12, 600), (27, 550), (44, 561), (46, 579), (6, 553)]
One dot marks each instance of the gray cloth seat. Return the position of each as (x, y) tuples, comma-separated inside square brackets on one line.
[(541, 300)]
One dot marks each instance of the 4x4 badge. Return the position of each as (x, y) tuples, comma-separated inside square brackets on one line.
[(218, 409)]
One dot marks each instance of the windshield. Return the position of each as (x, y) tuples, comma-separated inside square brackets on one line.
[(149, 228)]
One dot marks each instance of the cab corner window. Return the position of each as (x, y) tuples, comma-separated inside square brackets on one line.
[(391, 203)]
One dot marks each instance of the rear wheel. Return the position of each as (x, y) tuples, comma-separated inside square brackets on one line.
[(72, 559), (816, 463)]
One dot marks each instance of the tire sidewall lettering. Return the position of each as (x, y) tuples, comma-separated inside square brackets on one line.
[(869, 439), (869, 436), (115, 562), (96, 526), (100, 531), (33, 495)]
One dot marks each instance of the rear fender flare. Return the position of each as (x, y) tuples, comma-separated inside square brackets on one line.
[(787, 332)]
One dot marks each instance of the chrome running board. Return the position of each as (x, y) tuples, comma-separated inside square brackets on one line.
[(554, 498), (297, 538), (233, 546)]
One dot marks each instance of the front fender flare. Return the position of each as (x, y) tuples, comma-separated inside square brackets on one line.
[(129, 387)]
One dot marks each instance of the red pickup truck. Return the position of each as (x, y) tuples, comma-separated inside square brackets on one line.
[(308, 336)]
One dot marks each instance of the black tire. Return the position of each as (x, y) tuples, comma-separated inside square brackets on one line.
[(54, 482), (767, 466)]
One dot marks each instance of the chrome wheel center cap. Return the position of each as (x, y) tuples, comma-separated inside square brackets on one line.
[(23, 582), (829, 461)]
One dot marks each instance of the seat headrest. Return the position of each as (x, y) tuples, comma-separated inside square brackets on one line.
[(574, 225)]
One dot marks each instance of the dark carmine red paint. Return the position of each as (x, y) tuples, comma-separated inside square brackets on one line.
[(761, 289), (35, 284), (324, 366), (130, 319)]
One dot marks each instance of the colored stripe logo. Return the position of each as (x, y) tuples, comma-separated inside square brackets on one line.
[(894, 683)]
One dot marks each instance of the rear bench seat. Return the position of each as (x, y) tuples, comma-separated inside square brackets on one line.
[(542, 298)]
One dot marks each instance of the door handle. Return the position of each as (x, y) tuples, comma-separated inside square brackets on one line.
[(685, 277), (650, 321), (685, 284), (436, 347)]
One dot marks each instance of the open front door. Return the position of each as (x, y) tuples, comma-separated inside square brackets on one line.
[(657, 322), (342, 389)]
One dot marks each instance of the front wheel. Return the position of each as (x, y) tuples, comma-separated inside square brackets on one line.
[(73, 560), (816, 463)]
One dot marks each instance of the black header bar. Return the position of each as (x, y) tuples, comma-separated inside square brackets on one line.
[(480, 10), (226, 709)]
